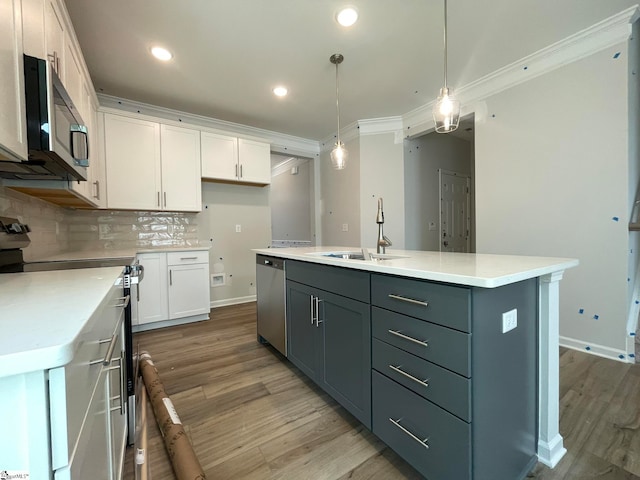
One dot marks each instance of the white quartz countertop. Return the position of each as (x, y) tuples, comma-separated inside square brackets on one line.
[(112, 254), (473, 269), (42, 313)]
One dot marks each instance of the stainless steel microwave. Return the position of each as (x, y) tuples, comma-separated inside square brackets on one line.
[(57, 137)]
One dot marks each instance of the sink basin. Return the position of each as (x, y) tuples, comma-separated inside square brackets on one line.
[(358, 255), (345, 255)]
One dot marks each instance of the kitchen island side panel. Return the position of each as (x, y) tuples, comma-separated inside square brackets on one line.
[(505, 382)]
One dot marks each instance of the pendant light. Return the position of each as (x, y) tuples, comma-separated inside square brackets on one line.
[(446, 111), (339, 154)]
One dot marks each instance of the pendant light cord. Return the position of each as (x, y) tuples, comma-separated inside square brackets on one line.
[(337, 103), (445, 44)]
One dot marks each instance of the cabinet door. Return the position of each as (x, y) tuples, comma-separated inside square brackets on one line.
[(116, 393), (54, 34), (303, 335), (33, 28), (219, 156), (152, 290), (73, 77), (96, 156), (181, 180), (188, 290), (91, 458), (346, 330), (13, 138), (255, 161), (132, 157)]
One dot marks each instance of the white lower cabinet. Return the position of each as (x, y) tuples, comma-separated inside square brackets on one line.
[(188, 284), (65, 423), (175, 287)]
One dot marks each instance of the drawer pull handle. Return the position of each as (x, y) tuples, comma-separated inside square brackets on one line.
[(125, 303), (109, 355), (397, 333), (409, 300), (424, 383), (421, 442), (188, 258)]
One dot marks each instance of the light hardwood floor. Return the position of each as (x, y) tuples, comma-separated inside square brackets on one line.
[(250, 414)]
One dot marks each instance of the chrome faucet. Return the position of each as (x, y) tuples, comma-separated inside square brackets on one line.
[(383, 241)]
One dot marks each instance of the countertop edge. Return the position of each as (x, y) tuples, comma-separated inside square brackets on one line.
[(549, 265)]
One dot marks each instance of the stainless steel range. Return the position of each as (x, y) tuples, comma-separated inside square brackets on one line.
[(14, 238)]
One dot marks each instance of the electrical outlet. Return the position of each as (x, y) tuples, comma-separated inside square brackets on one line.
[(509, 320), (345, 227), (238, 228)]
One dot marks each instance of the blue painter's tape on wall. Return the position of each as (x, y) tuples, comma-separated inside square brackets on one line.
[(615, 219), (632, 355), (632, 334), (581, 311), (637, 302), (621, 357), (616, 55), (587, 348), (596, 317)]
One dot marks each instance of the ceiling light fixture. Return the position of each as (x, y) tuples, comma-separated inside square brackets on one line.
[(339, 154), (347, 16), (446, 111), (280, 91), (161, 53)]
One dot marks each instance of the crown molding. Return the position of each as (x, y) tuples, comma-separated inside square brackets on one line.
[(280, 142), (376, 126), (348, 133), (604, 34)]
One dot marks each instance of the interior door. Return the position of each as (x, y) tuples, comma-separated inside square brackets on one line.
[(455, 208)]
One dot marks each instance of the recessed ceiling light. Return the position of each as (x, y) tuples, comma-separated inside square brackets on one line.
[(280, 91), (347, 16), (161, 53)]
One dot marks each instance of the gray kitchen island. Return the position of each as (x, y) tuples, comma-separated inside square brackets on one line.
[(449, 358)]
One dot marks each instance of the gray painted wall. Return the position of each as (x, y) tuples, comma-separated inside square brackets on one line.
[(552, 178), (226, 206), (292, 208), (423, 157)]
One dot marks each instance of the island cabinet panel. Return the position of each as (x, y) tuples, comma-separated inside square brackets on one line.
[(466, 390), (329, 336)]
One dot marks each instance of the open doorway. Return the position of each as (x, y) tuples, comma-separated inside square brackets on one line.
[(426, 158), (292, 201)]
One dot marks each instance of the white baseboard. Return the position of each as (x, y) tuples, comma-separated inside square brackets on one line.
[(595, 349), (169, 323), (232, 301)]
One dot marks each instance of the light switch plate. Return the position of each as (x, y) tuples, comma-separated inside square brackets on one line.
[(509, 320)]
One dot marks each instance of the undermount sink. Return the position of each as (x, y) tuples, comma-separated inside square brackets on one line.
[(358, 255)]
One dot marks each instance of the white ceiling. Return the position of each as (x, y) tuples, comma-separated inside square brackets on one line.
[(229, 54)]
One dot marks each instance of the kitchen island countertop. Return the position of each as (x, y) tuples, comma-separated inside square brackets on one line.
[(43, 313), (472, 269)]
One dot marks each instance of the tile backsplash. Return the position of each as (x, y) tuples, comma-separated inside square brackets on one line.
[(57, 230), (110, 229)]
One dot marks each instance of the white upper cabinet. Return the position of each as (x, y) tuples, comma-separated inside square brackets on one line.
[(254, 159), (33, 28), (73, 80), (13, 137), (151, 166), (219, 156), (55, 41), (180, 153), (231, 159), (132, 158)]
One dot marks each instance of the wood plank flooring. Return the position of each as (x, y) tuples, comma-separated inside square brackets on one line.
[(250, 414)]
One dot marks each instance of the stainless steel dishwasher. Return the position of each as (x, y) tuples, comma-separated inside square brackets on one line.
[(272, 327)]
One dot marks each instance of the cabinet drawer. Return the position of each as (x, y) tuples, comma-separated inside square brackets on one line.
[(343, 281), (188, 257), (442, 304), (71, 386), (447, 389), (448, 455), (447, 347)]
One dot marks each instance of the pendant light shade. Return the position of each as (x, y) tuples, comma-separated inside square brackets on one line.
[(339, 154), (446, 110)]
